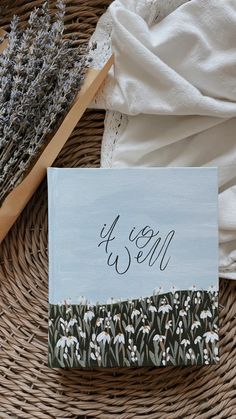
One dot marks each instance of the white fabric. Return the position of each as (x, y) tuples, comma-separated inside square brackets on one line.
[(174, 87)]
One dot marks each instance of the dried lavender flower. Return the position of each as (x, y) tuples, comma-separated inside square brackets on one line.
[(40, 76)]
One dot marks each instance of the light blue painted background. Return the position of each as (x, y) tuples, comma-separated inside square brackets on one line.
[(82, 200)]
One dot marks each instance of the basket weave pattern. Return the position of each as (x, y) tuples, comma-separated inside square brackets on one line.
[(28, 388)]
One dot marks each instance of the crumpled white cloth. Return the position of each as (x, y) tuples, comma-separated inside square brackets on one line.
[(175, 79)]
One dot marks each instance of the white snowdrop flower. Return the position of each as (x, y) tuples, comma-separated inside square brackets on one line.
[(65, 356), (213, 289), (129, 328), (148, 300), (71, 340), (211, 336), (145, 329), (164, 308), (83, 334), (99, 321), (88, 315), (168, 325), (72, 322), (195, 325), (186, 304), (163, 362), (179, 328), (188, 356), (214, 304), (108, 318), (78, 357), (152, 309), (116, 317), (103, 337), (135, 348), (197, 339), (135, 313), (132, 353), (205, 313), (130, 341), (159, 338), (205, 351), (119, 338), (185, 342), (66, 341), (182, 313), (50, 322)]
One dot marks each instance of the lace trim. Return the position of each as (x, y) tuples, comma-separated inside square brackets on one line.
[(115, 124), (100, 42), (153, 11)]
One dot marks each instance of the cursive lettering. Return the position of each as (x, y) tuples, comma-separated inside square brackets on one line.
[(147, 245)]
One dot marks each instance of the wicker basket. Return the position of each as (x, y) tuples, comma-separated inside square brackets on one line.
[(28, 388)]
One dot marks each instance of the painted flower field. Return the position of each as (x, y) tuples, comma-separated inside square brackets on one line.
[(176, 328)]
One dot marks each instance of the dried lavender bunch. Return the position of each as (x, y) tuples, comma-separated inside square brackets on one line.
[(40, 75)]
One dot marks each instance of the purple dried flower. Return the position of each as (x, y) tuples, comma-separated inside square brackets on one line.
[(40, 75)]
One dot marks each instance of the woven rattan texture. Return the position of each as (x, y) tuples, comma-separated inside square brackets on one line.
[(28, 388)]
